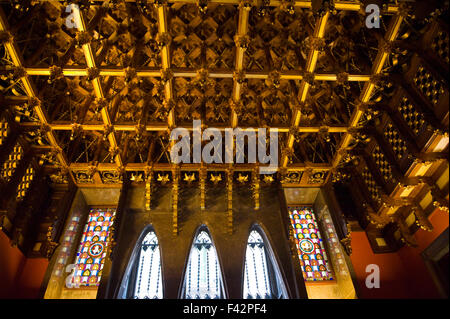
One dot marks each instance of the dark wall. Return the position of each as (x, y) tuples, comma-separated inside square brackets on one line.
[(230, 247)]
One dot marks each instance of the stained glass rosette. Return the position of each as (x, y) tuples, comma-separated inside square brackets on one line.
[(310, 247), (93, 247)]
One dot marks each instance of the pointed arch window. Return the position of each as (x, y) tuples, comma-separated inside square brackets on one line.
[(203, 277), (262, 277), (143, 277)]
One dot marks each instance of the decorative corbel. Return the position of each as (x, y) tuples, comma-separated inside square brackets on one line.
[(288, 153), (160, 3), (421, 219), (407, 238), (18, 73), (438, 200), (273, 80), (317, 44), (242, 41), (202, 5), (237, 107), (76, 131), (202, 76), (321, 7), (324, 133), (288, 6), (100, 103), (81, 38), (262, 9), (239, 76), (377, 79), (346, 242), (342, 79), (107, 129), (386, 46), (163, 39), (56, 73), (130, 74), (166, 75), (6, 37), (50, 244), (309, 77), (245, 4), (379, 220)]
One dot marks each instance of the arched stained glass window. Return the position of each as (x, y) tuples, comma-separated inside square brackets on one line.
[(203, 277), (143, 277), (93, 247), (262, 278), (311, 250)]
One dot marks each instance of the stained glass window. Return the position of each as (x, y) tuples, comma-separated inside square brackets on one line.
[(203, 277), (148, 276), (311, 250), (93, 247), (262, 279)]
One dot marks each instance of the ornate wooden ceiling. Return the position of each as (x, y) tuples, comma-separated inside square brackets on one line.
[(99, 99)]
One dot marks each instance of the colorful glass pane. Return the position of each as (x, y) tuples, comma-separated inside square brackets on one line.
[(310, 247), (93, 247)]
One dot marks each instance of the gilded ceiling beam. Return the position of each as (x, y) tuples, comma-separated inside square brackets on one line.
[(241, 45), (166, 73), (14, 52), (367, 91), (186, 73), (96, 82), (319, 32), (163, 127)]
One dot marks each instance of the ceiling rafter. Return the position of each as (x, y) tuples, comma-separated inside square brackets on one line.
[(30, 90), (319, 32), (96, 82), (366, 93), (163, 128), (161, 12), (190, 73), (239, 64)]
